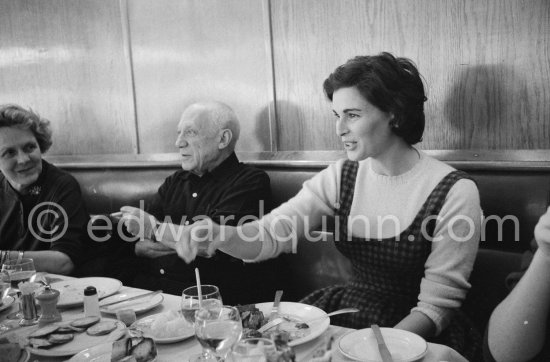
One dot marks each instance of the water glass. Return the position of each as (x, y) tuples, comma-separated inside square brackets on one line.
[(211, 298), (255, 350), (217, 332), (19, 272)]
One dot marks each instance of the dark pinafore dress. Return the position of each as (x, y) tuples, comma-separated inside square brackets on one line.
[(387, 273)]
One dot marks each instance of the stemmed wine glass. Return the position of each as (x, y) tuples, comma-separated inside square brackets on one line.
[(217, 332), (211, 298), (18, 272)]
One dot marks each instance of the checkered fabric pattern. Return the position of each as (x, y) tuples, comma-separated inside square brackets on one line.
[(387, 272)]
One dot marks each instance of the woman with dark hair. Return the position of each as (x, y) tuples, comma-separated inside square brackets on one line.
[(42, 215), (409, 224)]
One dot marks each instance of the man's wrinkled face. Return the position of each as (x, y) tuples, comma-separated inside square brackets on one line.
[(198, 141)]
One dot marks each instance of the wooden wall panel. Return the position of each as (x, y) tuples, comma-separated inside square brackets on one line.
[(186, 51), (65, 59), (486, 67), (485, 63)]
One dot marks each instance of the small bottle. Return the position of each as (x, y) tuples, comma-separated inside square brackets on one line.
[(91, 302)]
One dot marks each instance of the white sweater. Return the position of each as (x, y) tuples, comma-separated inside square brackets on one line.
[(398, 199)]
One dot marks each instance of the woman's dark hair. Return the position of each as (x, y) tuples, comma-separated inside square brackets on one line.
[(391, 84), (12, 115)]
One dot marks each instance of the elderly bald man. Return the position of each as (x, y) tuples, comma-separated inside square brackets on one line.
[(212, 183)]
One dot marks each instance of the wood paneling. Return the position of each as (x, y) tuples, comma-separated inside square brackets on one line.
[(187, 51), (114, 77), (64, 58), (486, 66)]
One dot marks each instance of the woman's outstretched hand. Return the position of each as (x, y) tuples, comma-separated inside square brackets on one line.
[(201, 238)]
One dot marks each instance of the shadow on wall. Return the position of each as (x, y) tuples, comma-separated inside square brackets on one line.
[(263, 130), (483, 108)]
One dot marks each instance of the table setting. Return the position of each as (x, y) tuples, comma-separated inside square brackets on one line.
[(181, 331)]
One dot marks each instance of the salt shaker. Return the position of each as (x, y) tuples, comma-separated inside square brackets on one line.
[(48, 299), (91, 302)]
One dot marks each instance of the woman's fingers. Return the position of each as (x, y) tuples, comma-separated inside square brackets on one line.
[(195, 240), (184, 248)]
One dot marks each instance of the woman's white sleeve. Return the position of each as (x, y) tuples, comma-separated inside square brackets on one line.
[(454, 249), (281, 229)]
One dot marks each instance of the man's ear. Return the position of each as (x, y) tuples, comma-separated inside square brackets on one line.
[(225, 139)]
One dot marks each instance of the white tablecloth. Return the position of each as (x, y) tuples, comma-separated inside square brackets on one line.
[(182, 350)]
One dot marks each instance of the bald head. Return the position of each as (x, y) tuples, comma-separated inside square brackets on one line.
[(207, 135), (216, 116)]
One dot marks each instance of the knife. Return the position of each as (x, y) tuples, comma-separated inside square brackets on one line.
[(131, 298), (275, 309), (382, 348), (272, 323)]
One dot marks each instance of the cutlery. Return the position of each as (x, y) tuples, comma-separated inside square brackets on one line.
[(277, 321), (275, 309), (270, 324), (382, 348), (131, 298), (336, 312)]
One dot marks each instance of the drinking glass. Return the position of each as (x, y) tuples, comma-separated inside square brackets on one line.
[(217, 332), (255, 350), (5, 287), (5, 284), (19, 272), (211, 298)]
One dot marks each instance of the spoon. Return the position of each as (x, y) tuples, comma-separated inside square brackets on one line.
[(304, 324)]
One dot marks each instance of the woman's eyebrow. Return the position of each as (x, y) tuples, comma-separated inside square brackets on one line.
[(351, 110)]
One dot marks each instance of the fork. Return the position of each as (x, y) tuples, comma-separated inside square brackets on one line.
[(336, 312)]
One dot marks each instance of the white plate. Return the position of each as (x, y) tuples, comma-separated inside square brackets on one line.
[(138, 306), (72, 290), (404, 346), (7, 302), (99, 353), (144, 325), (302, 312), (81, 341)]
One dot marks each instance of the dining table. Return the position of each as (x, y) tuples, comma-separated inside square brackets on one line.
[(182, 350)]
